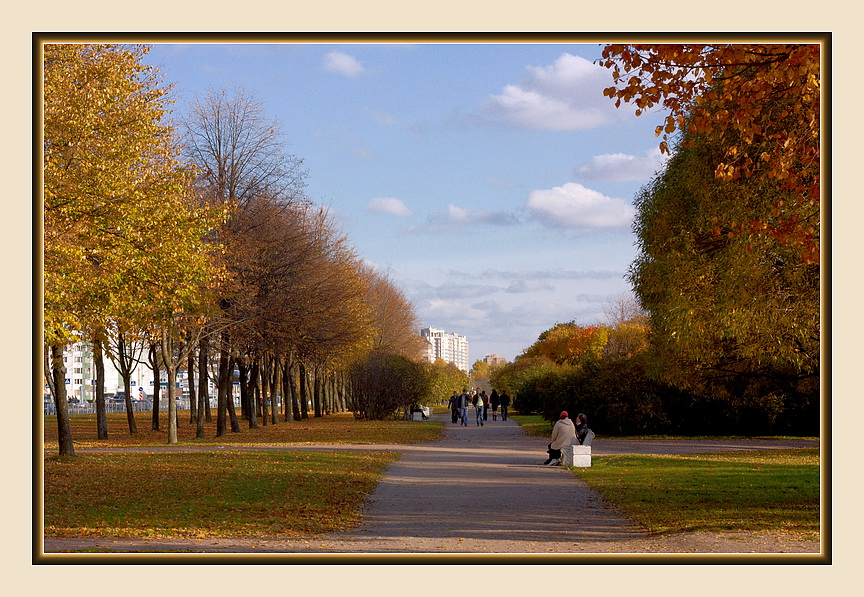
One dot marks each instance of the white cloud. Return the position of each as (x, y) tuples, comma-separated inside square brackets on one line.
[(566, 95), (389, 205), (344, 64), (578, 207), (619, 167)]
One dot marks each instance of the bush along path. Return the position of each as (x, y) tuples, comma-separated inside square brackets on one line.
[(481, 490)]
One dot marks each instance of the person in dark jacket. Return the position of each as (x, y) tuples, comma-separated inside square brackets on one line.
[(494, 402), (581, 426), (464, 400), (505, 405), (453, 403)]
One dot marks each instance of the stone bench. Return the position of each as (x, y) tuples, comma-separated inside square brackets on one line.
[(576, 454), (423, 413)]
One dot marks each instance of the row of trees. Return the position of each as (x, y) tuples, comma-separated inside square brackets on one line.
[(193, 244), (728, 269)]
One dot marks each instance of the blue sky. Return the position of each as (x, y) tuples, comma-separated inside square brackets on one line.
[(493, 181)]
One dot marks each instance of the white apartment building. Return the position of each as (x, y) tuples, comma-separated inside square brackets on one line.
[(453, 348), (81, 376)]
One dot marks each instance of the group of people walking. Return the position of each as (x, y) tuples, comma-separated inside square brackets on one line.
[(482, 403)]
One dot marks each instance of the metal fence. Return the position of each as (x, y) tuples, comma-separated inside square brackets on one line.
[(87, 408)]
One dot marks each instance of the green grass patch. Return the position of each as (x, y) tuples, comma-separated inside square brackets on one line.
[(533, 425), (764, 490), (209, 494)]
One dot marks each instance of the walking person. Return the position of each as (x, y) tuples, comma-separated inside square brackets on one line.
[(453, 405), (485, 400), (478, 409), (562, 435), (494, 401), (464, 400), (505, 405)]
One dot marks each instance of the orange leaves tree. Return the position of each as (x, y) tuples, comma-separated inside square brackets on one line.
[(761, 102), (570, 343), (561, 350)]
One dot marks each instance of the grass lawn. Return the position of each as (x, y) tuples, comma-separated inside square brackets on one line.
[(337, 428), (209, 494), (219, 493), (534, 425), (759, 490)]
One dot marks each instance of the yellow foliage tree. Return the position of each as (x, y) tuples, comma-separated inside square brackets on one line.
[(122, 241)]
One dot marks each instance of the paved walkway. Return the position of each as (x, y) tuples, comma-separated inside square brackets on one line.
[(478, 490)]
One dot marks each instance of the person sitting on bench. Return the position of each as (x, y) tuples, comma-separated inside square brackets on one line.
[(562, 435)]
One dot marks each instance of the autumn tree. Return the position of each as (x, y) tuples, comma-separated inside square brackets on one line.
[(111, 171), (569, 343), (760, 103), (383, 384), (242, 162), (628, 324), (443, 379), (734, 315), (393, 319)]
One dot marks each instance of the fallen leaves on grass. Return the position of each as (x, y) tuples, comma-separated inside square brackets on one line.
[(208, 494), (336, 428)]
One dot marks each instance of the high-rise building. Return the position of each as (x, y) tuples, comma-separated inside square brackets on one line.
[(453, 348)]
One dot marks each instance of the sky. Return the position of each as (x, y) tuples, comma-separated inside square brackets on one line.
[(494, 183)]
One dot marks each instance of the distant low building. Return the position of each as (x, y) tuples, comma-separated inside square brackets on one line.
[(494, 359), (452, 348)]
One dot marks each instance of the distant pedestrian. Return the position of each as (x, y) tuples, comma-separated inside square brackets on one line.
[(478, 409), (505, 405), (494, 402), (485, 400), (562, 435)]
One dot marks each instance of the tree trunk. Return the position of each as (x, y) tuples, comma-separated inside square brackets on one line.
[(264, 374), (193, 398), (247, 396), (127, 400), (295, 394), (316, 391), (274, 390), (243, 376), (229, 398), (64, 429), (287, 392), (222, 401), (304, 395), (157, 386), (101, 418), (203, 394), (167, 346), (254, 390)]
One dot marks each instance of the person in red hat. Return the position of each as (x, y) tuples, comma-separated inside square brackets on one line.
[(562, 435)]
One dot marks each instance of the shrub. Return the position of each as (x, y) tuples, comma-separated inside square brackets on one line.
[(383, 384)]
